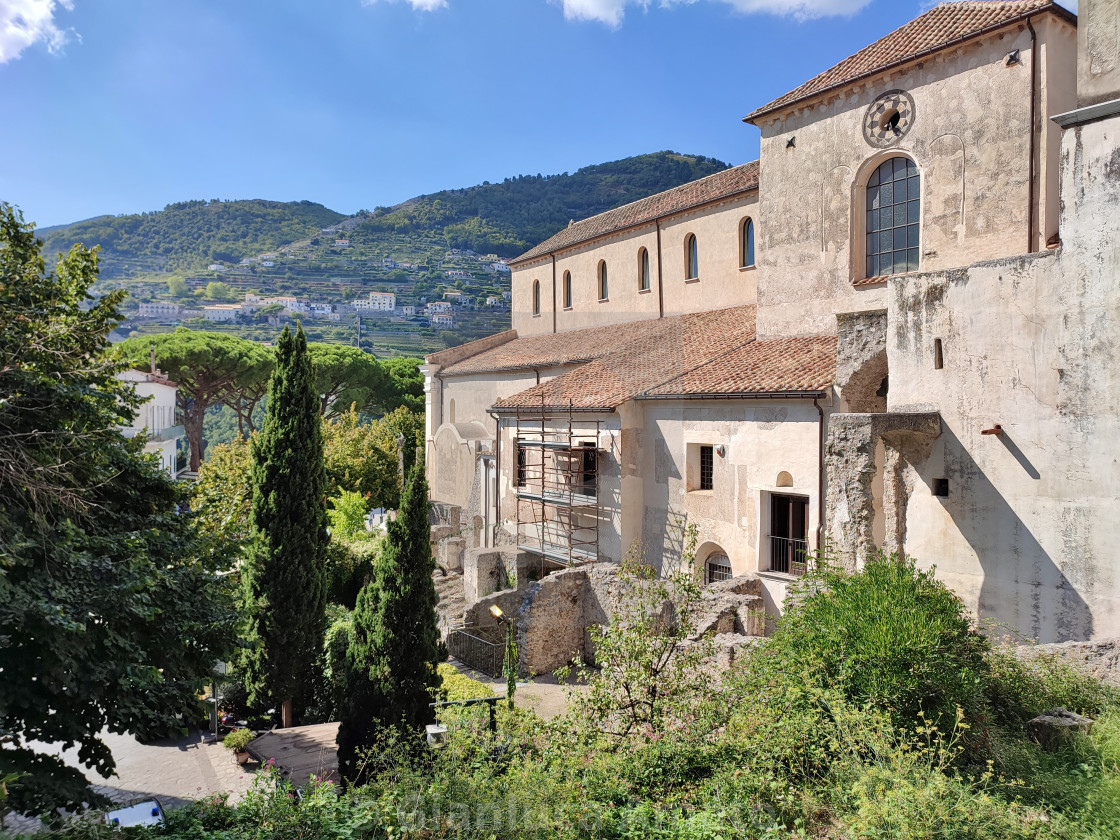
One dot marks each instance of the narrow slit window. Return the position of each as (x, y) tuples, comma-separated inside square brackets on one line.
[(691, 258), (536, 297), (938, 356), (603, 289), (519, 479), (567, 290), (747, 247), (643, 270)]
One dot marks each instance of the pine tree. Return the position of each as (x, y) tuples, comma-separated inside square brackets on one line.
[(285, 569), (395, 649)]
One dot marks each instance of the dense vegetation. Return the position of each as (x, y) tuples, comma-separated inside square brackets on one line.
[(95, 551), (511, 217), (189, 235), (768, 749)]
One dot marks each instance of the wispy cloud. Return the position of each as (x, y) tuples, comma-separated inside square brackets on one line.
[(611, 12), (419, 5), (26, 22)]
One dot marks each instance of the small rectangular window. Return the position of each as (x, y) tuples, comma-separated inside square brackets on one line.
[(941, 487), (938, 356), (519, 479), (706, 467)]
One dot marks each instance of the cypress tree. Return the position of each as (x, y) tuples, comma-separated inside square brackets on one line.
[(284, 573), (392, 658)]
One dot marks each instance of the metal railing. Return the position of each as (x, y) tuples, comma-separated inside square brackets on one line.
[(789, 556), (472, 648)]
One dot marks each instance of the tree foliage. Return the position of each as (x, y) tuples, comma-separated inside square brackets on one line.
[(209, 369), (404, 385), (395, 644), (284, 572), (112, 610), (346, 376)]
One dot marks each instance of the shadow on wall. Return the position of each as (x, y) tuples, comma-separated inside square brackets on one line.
[(1023, 587)]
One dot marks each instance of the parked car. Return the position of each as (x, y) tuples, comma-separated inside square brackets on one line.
[(141, 812)]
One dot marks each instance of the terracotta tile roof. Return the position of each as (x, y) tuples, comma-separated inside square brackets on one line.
[(704, 353), (731, 181), (938, 28), (761, 367), (550, 349)]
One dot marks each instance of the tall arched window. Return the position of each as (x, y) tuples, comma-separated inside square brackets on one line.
[(603, 280), (746, 244), (536, 297), (643, 270), (691, 258), (893, 213), (567, 290)]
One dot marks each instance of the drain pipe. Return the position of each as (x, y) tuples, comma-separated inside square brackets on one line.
[(497, 469), (1032, 174), (820, 474)]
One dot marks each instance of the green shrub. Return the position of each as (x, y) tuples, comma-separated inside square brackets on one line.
[(1018, 689), (890, 635), (238, 740), (350, 565), (457, 686)]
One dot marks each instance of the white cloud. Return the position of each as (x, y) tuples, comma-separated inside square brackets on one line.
[(419, 5), (26, 22), (611, 12)]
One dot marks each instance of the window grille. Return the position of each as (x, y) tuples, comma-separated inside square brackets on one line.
[(706, 467), (893, 213), (521, 467), (716, 568)]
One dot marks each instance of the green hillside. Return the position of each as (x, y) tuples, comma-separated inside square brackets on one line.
[(513, 216), (190, 234)]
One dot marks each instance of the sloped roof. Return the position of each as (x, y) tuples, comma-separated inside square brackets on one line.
[(706, 353), (729, 182), (802, 364), (938, 28)]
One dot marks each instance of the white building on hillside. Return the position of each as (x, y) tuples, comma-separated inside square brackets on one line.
[(383, 301), (159, 309), (157, 416)]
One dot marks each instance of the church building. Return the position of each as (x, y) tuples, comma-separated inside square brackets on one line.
[(895, 330)]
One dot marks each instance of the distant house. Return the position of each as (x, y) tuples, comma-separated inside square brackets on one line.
[(383, 301), (507, 295), (216, 267), (500, 267), (222, 312), (493, 300), (159, 309), (408, 310), (458, 273), (156, 417), (441, 320), (454, 295), (342, 243), (268, 263), (439, 306)]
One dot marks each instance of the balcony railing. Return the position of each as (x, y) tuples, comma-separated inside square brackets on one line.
[(789, 556)]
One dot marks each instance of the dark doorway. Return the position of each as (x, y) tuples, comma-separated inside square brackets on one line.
[(789, 523)]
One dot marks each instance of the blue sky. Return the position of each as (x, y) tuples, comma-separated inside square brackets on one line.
[(122, 106)]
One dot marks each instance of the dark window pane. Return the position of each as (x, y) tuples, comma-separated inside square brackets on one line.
[(872, 198), (912, 259), (899, 215), (873, 220), (872, 243), (912, 236), (912, 212), (885, 266), (912, 188), (899, 238), (706, 471), (886, 195), (872, 266), (874, 179)]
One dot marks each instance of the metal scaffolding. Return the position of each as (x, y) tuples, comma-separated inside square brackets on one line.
[(557, 482)]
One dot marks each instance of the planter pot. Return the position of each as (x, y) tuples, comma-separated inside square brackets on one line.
[(242, 756)]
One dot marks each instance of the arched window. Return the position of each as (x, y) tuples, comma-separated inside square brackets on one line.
[(691, 258), (746, 244), (603, 280), (716, 568), (536, 297), (893, 212), (643, 270), (567, 290)]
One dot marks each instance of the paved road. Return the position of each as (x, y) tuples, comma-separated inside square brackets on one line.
[(172, 771)]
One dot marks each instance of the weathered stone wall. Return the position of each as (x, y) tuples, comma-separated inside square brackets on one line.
[(971, 141), (861, 359), (1028, 532), (1100, 659)]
